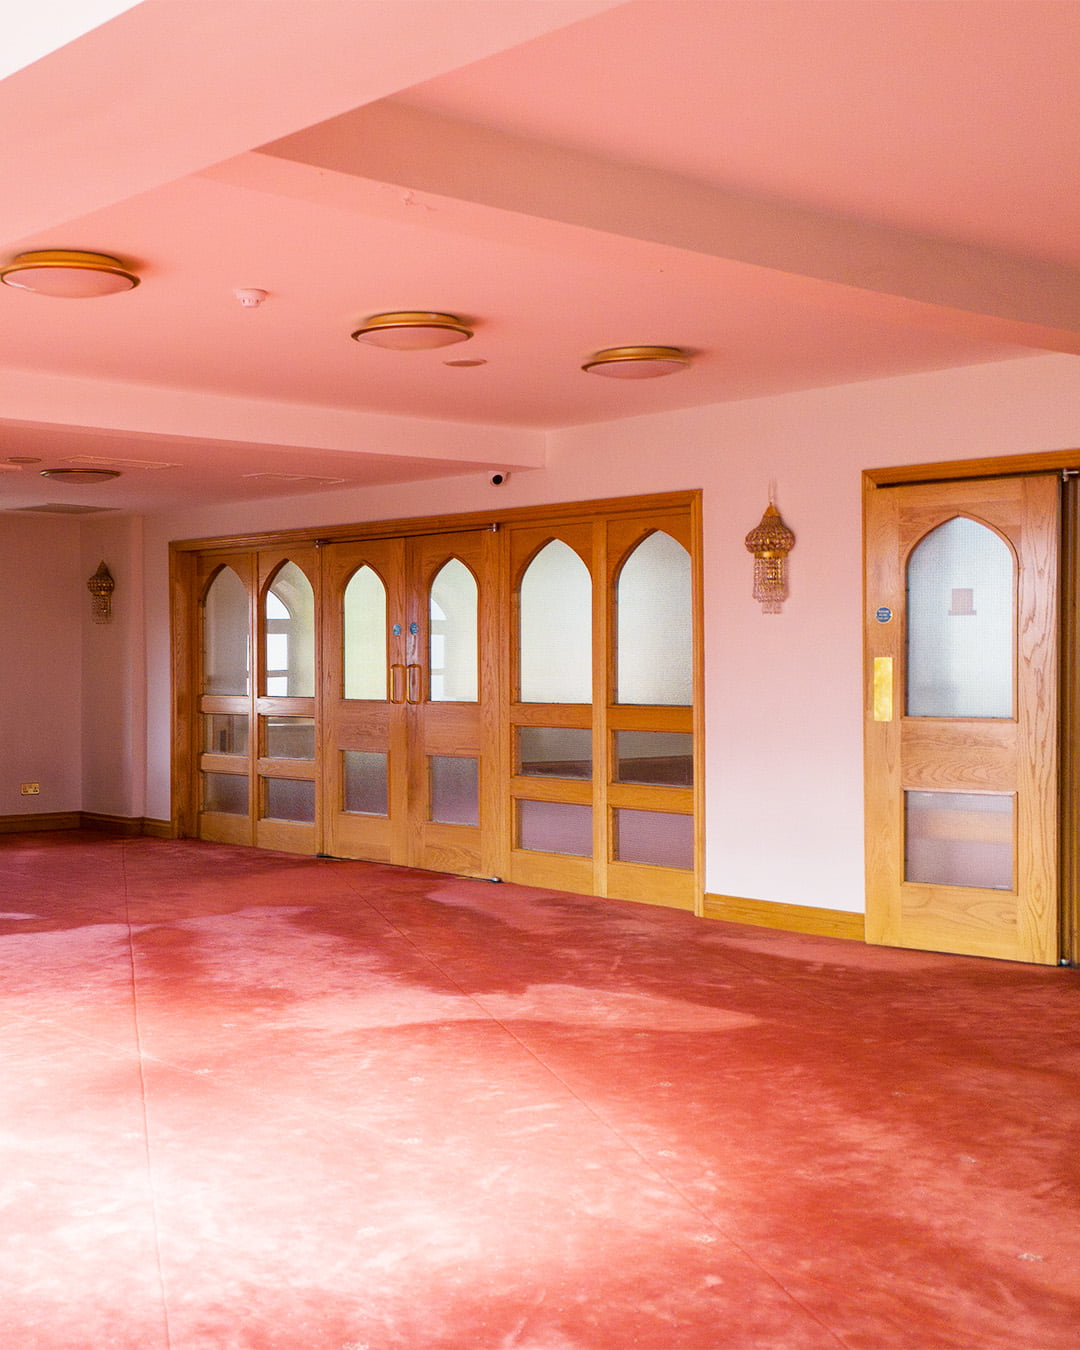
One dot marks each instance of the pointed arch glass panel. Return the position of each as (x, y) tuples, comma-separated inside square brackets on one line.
[(452, 638), (555, 609), (289, 637), (961, 623), (364, 629), (654, 625), (226, 634)]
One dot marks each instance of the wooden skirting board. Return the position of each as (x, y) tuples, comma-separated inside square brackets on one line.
[(128, 826), (791, 918), (40, 820)]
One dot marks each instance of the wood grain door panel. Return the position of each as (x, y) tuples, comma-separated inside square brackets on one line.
[(1005, 766)]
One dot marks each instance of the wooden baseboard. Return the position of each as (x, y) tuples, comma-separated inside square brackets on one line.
[(40, 820), (129, 827), (790, 918)]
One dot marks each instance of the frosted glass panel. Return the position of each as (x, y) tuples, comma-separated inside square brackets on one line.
[(365, 635), (960, 839), (455, 790), (556, 627), (226, 623), (555, 752), (290, 634), (289, 737), (555, 827), (960, 623), (662, 757), (452, 644), (225, 733), (654, 662), (655, 837), (290, 799), (364, 774), (227, 792)]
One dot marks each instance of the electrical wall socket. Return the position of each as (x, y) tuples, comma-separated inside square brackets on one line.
[(29, 789)]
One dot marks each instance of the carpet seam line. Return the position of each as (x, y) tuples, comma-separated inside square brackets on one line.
[(148, 1151)]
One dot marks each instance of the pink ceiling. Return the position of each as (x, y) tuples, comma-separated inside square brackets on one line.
[(803, 194)]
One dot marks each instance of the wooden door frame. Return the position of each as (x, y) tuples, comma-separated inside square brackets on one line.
[(184, 603), (1067, 463)]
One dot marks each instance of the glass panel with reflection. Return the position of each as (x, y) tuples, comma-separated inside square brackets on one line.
[(225, 792), (659, 838), (225, 733), (555, 827), (665, 758), (289, 737), (226, 628), (654, 625), (452, 649), (364, 605), (555, 637), (455, 789), (289, 616), (960, 839), (290, 799), (960, 623), (554, 752), (365, 782)]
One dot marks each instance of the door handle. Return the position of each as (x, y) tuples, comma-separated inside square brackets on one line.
[(409, 683), (395, 695), (883, 689)]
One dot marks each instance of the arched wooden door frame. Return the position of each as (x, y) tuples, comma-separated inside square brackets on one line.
[(619, 515), (1065, 462)]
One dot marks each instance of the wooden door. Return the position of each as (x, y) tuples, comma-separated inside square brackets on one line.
[(224, 739), (602, 726), (286, 672), (257, 675), (961, 729), (409, 765)]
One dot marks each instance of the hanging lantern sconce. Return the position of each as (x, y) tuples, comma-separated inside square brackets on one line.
[(101, 586), (770, 543)]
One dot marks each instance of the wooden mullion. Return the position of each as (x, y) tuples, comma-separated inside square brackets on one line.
[(302, 769), (577, 791), (572, 715), (649, 797), (646, 717)]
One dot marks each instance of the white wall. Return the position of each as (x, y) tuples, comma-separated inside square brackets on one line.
[(783, 692), (42, 595), (114, 672)]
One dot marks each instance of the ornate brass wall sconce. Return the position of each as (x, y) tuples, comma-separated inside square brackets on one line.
[(770, 543), (101, 586)]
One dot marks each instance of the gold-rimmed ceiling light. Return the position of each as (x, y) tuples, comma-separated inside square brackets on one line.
[(68, 274), (637, 363), (412, 330), (80, 475)]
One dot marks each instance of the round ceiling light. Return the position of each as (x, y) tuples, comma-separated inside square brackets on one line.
[(81, 475), (412, 331), (637, 363), (68, 275)]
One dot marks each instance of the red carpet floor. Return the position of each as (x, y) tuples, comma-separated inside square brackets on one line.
[(251, 1101)]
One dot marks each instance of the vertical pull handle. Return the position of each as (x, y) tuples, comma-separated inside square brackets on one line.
[(396, 695), (883, 689), (413, 686)]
